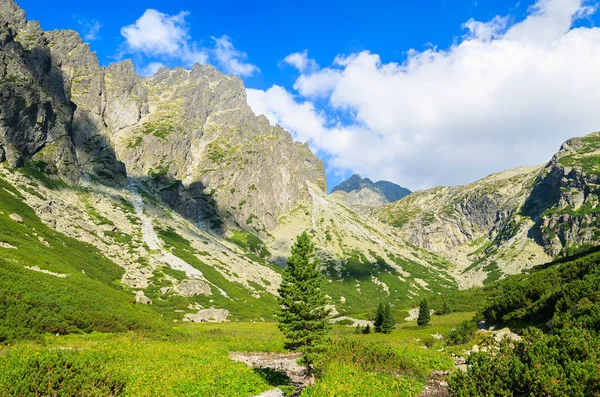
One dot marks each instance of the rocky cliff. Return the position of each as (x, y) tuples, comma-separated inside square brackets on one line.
[(189, 133)]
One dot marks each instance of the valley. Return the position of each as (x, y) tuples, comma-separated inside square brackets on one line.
[(146, 224)]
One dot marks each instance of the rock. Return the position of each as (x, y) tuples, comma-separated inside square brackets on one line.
[(189, 288), (208, 315), (16, 218), (165, 290), (140, 297)]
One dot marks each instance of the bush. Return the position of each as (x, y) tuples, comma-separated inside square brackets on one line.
[(462, 334), (57, 373), (562, 364)]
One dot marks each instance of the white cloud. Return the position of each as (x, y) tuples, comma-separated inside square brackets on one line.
[(301, 61), (156, 35), (90, 28), (231, 59), (505, 95)]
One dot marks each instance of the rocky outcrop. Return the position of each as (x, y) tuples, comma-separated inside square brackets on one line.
[(189, 133), (208, 316), (189, 288), (564, 202), (358, 191)]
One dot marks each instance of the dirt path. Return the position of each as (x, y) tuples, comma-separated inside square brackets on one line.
[(285, 363)]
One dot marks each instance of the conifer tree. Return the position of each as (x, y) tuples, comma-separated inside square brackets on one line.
[(388, 320), (303, 315), (367, 329), (445, 308), (379, 318), (424, 315)]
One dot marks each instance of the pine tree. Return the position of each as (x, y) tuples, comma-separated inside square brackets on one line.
[(445, 308), (388, 320), (303, 315), (358, 330), (367, 329), (424, 315), (379, 317)]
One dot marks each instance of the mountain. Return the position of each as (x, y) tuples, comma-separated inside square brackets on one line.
[(173, 180), (511, 220), (363, 192)]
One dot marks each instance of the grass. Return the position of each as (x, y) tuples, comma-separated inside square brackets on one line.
[(91, 298), (194, 360)]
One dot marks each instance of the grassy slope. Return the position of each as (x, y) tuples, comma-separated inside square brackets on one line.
[(91, 298)]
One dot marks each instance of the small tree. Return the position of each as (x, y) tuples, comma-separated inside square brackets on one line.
[(367, 329), (445, 308), (379, 318), (424, 315), (358, 330), (388, 320), (303, 315)]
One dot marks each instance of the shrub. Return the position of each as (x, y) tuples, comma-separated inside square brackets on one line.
[(462, 334), (57, 373)]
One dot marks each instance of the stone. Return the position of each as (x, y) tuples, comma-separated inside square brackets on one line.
[(140, 297), (165, 290), (15, 217), (208, 315), (189, 288)]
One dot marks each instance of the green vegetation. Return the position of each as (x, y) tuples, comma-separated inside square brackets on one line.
[(424, 315), (90, 299), (384, 320), (563, 363), (251, 243), (235, 297), (303, 315)]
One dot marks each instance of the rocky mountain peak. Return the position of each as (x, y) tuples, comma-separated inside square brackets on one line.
[(364, 192)]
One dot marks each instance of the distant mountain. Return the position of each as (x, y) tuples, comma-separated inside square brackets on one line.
[(363, 191)]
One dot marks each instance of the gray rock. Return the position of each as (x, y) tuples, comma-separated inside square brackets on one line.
[(208, 315), (189, 288), (140, 297), (15, 217)]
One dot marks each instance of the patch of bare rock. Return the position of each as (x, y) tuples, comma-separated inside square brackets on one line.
[(286, 363), (208, 316)]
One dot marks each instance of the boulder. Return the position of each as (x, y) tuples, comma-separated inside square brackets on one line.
[(189, 288), (16, 218), (208, 316), (140, 297)]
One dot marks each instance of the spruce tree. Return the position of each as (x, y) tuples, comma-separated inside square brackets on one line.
[(445, 308), (303, 315), (367, 329), (424, 315), (388, 320), (379, 318)]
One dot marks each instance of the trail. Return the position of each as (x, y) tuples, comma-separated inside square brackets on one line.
[(150, 237)]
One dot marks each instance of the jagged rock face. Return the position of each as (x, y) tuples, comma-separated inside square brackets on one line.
[(565, 200), (35, 113), (359, 192), (39, 120), (190, 134)]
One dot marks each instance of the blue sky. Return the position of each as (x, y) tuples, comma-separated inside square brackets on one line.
[(381, 110)]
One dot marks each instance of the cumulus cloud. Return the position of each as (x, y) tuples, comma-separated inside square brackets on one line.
[(156, 34), (231, 59), (301, 61), (89, 28), (165, 39), (507, 94)]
